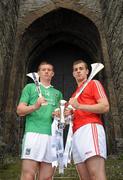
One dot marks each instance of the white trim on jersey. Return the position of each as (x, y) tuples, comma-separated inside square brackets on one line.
[(95, 138), (100, 89)]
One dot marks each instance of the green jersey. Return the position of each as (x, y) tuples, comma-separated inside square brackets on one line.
[(40, 120)]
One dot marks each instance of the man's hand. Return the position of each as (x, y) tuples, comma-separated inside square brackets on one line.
[(68, 112), (40, 101), (74, 103), (56, 113)]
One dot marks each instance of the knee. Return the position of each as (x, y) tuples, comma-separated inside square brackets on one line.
[(84, 175), (94, 174), (97, 174), (93, 177), (25, 175), (46, 177)]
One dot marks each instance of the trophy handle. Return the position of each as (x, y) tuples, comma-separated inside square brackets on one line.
[(62, 108)]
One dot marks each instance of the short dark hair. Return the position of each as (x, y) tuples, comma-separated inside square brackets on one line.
[(44, 63), (80, 61)]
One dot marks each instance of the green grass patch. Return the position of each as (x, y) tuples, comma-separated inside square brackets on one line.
[(12, 166), (114, 167)]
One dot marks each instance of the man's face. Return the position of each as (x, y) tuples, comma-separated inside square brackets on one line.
[(80, 72), (46, 72)]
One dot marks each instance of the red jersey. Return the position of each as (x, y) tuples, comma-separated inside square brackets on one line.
[(92, 92)]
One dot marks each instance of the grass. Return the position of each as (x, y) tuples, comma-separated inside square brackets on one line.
[(114, 169), (10, 170)]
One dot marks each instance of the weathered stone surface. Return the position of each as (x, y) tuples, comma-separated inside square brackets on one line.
[(93, 26), (8, 22), (112, 13)]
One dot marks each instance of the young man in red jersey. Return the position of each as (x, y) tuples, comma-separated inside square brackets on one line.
[(89, 141)]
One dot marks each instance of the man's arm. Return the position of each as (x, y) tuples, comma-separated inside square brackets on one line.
[(102, 106), (24, 109)]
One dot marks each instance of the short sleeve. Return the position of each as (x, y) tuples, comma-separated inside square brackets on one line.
[(25, 94), (60, 96), (98, 90)]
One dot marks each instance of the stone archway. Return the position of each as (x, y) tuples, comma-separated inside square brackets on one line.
[(53, 28), (81, 33)]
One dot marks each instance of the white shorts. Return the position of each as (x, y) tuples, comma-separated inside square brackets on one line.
[(89, 140), (37, 147)]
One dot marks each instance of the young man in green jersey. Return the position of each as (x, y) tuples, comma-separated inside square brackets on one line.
[(36, 148)]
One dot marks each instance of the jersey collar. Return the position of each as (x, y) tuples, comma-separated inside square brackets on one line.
[(82, 83), (45, 86)]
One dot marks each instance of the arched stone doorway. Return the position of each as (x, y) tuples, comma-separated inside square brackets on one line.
[(61, 55), (42, 25), (50, 37)]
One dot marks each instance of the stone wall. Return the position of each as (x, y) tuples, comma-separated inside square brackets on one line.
[(30, 10), (21, 30), (112, 15), (33, 12), (8, 24)]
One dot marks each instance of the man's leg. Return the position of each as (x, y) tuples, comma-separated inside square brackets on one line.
[(46, 171), (82, 171), (96, 168), (29, 169)]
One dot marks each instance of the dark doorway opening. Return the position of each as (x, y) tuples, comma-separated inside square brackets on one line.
[(62, 55)]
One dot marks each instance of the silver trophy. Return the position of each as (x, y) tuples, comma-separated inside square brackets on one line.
[(62, 108)]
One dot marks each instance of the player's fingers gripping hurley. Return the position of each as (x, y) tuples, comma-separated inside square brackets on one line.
[(35, 78)]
